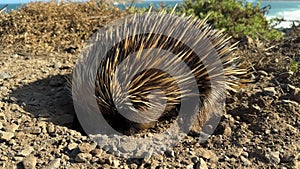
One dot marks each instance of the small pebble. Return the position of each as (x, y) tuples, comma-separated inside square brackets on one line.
[(83, 157), (273, 157), (169, 153), (54, 164), (195, 159), (4, 75), (6, 136), (87, 147), (245, 161), (203, 164), (72, 146), (29, 162), (26, 151)]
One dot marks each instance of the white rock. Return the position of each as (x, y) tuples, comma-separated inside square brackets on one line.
[(116, 163), (29, 162), (54, 164), (72, 146), (6, 135), (87, 147), (26, 151), (274, 157), (83, 157), (245, 161), (203, 164), (270, 90)]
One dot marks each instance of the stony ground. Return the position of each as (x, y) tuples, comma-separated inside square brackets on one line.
[(259, 130)]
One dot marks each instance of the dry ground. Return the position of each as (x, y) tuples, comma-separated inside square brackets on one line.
[(260, 129)]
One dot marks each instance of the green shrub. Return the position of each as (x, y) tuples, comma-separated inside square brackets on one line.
[(238, 18), (294, 66)]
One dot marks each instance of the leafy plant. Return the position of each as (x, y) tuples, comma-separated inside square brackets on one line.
[(237, 17), (294, 66)]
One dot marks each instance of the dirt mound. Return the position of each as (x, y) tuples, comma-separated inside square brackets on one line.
[(53, 26)]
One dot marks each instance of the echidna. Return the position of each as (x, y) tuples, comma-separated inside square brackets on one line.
[(149, 68)]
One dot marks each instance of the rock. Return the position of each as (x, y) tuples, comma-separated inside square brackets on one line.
[(97, 152), (6, 136), (270, 91), (15, 55), (295, 93), (208, 154), (109, 160), (287, 159), (294, 89), (11, 128), (236, 152), (54, 164), (245, 161), (18, 158), (26, 151), (116, 163), (296, 164), (202, 164), (275, 130), (227, 131), (2, 164), (296, 97), (191, 166), (72, 146), (292, 129), (245, 154), (34, 130), (50, 128), (2, 116), (256, 107), (87, 147), (29, 162), (83, 157), (195, 159), (148, 155), (273, 157), (57, 65), (4, 75), (1, 125), (133, 166), (169, 153)]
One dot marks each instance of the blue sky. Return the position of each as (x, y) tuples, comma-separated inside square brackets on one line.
[(16, 1), (25, 1), (21, 1)]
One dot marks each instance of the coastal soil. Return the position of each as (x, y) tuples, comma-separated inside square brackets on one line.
[(260, 128)]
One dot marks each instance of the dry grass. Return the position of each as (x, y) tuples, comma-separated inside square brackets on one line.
[(42, 27)]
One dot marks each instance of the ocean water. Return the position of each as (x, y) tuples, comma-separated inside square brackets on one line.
[(289, 10)]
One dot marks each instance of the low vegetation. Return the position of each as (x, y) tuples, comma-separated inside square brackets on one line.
[(239, 18)]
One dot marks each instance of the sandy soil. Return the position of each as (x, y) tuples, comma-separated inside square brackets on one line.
[(259, 130)]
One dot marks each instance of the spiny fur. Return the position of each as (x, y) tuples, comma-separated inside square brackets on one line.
[(161, 82)]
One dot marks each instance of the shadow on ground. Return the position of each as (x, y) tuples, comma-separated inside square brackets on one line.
[(50, 100)]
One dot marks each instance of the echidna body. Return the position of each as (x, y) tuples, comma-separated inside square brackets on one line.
[(148, 74)]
